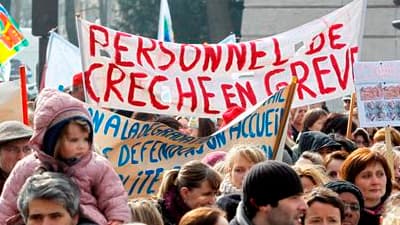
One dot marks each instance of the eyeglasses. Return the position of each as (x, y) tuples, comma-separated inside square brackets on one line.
[(16, 149), (352, 206)]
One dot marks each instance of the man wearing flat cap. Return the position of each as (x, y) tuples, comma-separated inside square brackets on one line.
[(14, 137)]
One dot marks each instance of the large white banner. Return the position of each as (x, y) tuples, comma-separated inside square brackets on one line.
[(141, 74)]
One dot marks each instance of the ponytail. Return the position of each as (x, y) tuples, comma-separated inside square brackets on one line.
[(168, 180)]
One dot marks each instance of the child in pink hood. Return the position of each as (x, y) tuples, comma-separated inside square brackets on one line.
[(63, 142)]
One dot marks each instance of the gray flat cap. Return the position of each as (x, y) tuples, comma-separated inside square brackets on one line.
[(12, 130)]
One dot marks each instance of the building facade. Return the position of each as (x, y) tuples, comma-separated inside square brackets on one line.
[(263, 18)]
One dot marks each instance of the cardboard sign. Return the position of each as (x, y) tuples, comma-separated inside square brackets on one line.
[(378, 93), (135, 73), (142, 151), (10, 101)]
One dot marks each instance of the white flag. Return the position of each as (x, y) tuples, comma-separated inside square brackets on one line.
[(5, 70), (229, 39), (63, 62), (165, 32)]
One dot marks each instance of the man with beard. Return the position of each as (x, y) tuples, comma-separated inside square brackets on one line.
[(272, 195)]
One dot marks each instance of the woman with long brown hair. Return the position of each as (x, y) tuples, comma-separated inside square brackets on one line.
[(192, 186)]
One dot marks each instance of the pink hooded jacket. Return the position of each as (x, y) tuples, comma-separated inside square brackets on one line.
[(103, 197)]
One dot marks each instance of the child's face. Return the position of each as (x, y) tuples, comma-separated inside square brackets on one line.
[(75, 143), (240, 168)]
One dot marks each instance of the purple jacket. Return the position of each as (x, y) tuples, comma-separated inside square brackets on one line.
[(103, 197)]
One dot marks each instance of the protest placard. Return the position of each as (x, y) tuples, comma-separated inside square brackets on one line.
[(378, 93), (10, 101), (142, 151), (135, 73)]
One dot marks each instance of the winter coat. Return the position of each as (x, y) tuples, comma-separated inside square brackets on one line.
[(172, 207), (371, 216), (3, 178), (367, 218), (229, 204), (103, 197), (241, 217)]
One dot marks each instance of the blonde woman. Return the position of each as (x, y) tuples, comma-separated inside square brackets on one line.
[(310, 176), (381, 148), (238, 162), (391, 214), (144, 211)]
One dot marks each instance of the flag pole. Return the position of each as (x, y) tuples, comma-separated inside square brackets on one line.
[(364, 6), (389, 154), (282, 124), (83, 60), (24, 95), (350, 117)]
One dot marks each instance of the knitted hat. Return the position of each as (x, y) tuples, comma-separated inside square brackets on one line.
[(213, 158), (231, 114), (13, 130), (77, 79), (269, 182), (341, 186)]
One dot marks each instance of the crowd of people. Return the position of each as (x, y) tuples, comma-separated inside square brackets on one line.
[(50, 173)]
